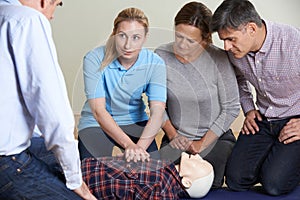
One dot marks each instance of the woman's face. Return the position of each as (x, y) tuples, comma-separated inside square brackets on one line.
[(129, 38), (188, 41)]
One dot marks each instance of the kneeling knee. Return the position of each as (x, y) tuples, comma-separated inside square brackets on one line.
[(275, 189), (235, 184)]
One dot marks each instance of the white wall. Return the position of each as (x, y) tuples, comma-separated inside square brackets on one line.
[(79, 26)]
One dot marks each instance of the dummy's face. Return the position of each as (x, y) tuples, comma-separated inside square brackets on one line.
[(193, 167), (188, 40), (129, 38), (239, 42)]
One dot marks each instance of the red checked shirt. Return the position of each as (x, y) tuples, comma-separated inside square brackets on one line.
[(114, 178), (274, 71)]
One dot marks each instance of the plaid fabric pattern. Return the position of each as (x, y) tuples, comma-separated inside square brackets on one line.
[(114, 178)]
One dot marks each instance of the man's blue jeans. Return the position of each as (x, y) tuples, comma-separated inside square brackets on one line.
[(261, 158), (24, 176)]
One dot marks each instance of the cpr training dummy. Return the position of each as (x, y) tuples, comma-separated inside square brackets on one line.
[(197, 175), (115, 178)]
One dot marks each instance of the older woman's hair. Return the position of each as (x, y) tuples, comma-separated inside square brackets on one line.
[(198, 15), (128, 14), (233, 14)]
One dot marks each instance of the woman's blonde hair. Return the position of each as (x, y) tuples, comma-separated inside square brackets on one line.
[(128, 14)]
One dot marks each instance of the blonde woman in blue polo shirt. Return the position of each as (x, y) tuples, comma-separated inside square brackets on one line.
[(115, 77)]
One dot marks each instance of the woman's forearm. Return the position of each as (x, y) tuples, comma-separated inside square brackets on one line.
[(108, 124), (153, 125), (169, 130)]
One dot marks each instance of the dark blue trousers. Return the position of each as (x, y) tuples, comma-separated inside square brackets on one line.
[(24, 176), (261, 158)]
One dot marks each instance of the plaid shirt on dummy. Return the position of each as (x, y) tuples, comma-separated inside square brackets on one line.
[(114, 178)]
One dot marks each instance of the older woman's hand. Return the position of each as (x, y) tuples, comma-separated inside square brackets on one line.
[(180, 142)]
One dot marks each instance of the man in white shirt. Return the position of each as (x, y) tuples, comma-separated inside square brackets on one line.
[(33, 93)]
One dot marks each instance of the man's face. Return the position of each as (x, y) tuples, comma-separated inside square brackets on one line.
[(239, 42), (46, 7), (49, 8)]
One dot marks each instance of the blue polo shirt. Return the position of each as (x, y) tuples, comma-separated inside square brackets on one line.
[(122, 88)]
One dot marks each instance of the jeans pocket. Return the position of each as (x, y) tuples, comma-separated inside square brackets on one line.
[(5, 182), (5, 187), (23, 160), (3, 167)]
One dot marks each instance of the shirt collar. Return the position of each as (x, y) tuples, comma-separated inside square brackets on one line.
[(268, 40), (116, 64), (12, 2)]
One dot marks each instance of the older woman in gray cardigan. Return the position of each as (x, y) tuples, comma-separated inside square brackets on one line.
[(202, 95)]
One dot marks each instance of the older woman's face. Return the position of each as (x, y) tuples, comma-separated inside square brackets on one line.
[(188, 40), (129, 38)]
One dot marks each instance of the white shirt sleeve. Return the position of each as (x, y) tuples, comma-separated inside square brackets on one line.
[(44, 93)]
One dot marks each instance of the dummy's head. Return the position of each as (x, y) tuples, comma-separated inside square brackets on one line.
[(197, 175)]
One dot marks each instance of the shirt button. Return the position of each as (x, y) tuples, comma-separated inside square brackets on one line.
[(257, 62), (271, 107), (259, 79), (19, 170), (13, 158)]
